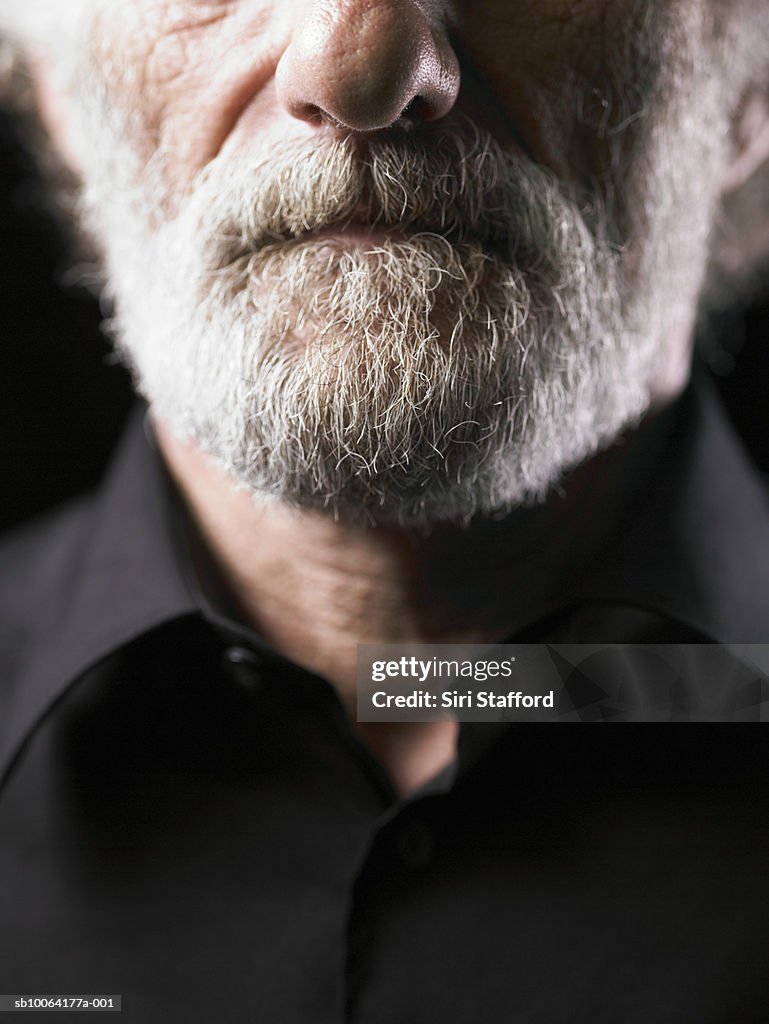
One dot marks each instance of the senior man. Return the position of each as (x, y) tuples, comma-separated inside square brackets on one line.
[(409, 287)]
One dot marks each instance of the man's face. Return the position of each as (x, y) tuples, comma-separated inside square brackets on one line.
[(416, 257)]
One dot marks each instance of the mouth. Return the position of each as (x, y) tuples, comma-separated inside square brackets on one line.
[(355, 233), (365, 227), (363, 233), (395, 193)]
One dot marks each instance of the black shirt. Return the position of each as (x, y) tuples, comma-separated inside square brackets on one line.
[(188, 819)]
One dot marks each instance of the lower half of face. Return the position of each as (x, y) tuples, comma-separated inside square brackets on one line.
[(426, 328)]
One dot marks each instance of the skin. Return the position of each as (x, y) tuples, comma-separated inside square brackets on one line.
[(237, 76), (209, 78)]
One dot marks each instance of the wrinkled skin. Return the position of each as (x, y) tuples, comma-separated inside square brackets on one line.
[(203, 76), (578, 89)]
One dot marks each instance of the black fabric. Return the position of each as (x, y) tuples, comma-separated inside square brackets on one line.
[(189, 820)]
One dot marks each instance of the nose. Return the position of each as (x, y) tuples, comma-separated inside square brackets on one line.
[(360, 64)]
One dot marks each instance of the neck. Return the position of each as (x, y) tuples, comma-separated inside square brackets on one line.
[(315, 587)]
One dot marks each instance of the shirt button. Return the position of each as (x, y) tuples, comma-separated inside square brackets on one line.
[(243, 665), (416, 844)]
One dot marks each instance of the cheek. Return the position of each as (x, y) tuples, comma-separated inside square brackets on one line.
[(149, 57), (179, 73), (535, 57)]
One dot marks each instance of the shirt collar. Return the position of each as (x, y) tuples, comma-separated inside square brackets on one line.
[(691, 543), (112, 577)]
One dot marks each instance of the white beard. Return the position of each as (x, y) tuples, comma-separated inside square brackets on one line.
[(429, 378)]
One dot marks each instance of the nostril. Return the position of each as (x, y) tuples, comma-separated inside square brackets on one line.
[(312, 113), (309, 112), (415, 110)]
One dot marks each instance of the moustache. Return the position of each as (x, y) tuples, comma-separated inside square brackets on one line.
[(460, 185)]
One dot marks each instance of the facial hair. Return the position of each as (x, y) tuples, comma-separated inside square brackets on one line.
[(487, 341)]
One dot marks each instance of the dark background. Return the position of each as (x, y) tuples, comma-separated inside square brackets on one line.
[(63, 399)]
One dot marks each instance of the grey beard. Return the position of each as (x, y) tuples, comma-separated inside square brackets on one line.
[(486, 346), (457, 367)]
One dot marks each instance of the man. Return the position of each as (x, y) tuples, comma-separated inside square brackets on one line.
[(410, 288)]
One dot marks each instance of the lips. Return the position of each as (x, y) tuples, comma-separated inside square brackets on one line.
[(355, 233), (390, 195), (368, 226)]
